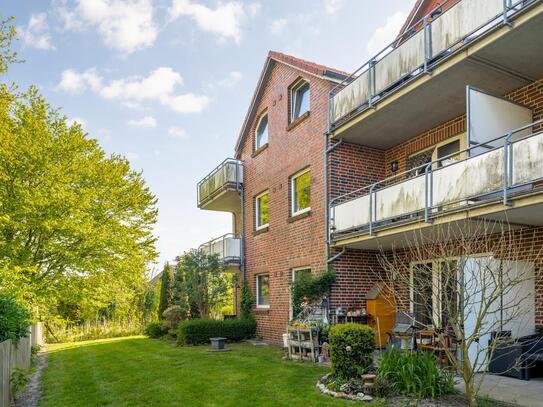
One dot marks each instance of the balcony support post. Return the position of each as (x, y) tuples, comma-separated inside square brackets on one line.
[(427, 43), (371, 209), (506, 7), (371, 81), (507, 168), (428, 192)]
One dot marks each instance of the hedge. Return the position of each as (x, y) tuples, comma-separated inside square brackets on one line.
[(14, 319), (351, 346), (198, 331), (155, 330)]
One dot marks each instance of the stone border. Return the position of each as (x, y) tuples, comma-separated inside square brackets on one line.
[(340, 395)]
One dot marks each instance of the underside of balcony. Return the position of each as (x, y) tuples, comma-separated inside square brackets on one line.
[(503, 58)]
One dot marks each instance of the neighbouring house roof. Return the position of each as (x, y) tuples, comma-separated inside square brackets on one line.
[(421, 9), (274, 57)]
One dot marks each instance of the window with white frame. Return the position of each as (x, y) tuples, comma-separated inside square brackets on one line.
[(262, 210), (261, 136), (434, 292), (299, 98), (263, 291), (301, 192)]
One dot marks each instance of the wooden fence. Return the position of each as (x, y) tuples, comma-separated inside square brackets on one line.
[(16, 355)]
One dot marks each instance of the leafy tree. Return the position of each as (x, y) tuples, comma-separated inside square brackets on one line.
[(247, 301), (180, 292), (166, 289), (7, 35), (75, 224), (207, 284)]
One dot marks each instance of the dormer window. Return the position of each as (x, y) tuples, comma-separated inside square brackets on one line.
[(299, 97), (262, 131)]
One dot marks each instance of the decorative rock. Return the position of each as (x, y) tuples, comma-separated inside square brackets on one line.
[(366, 398), (368, 377), (360, 396)]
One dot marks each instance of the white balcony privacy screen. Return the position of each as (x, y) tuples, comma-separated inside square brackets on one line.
[(230, 172), (456, 25), (227, 247), (490, 117), (460, 181)]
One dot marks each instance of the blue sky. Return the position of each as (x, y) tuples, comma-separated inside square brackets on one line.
[(168, 82)]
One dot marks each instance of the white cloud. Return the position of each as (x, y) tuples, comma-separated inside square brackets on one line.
[(124, 25), (159, 86), (177, 132), (76, 120), (385, 34), (36, 32), (231, 80), (144, 123), (333, 6), (277, 26), (74, 82), (225, 20)]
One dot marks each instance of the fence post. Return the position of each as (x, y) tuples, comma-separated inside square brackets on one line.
[(428, 191), (507, 166), (427, 43), (371, 82)]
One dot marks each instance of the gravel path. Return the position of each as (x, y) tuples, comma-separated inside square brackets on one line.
[(30, 396)]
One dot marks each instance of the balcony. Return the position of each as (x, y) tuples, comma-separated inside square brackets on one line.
[(220, 189), (226, 247), (502, 183), (489, 44)]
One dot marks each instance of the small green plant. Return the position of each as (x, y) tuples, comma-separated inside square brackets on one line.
[(19, 379), (14, 319), (351, 346), (198, 331), (415, 374), (247, 301), (173, 316), (311, 289), (155, 330)]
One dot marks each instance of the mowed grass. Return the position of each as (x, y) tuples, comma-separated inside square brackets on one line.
[(137, 371)]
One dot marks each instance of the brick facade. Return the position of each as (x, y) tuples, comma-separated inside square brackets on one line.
[(353, 166), (288, 242)]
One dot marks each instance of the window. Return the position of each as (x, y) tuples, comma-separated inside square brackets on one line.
[(262, 206), (262, 131), (434, 292), (299, 96), (263, 291), (301, 192)]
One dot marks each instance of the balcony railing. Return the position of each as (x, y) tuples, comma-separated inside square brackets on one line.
[(226, 247), (459, 181), (438, 35), (227, 175)]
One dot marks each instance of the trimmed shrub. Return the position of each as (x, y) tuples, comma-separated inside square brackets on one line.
[(247, 301), (351, 346), (198, 331), (155, 330), (14, 319), (415, 374)]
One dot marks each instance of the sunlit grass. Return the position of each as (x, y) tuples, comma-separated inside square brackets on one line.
[(137, 371)]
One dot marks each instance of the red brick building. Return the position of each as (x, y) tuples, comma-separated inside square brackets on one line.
[(347, 178)]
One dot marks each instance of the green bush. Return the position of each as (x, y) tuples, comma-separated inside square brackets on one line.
[(173, 315), (351, 346), (415, 374), (311, 288), (247, 301), (198, 331), (14, 319), (155, 330)]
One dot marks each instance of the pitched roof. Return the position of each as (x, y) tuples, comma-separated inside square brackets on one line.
[(421, 9), (311, 68)]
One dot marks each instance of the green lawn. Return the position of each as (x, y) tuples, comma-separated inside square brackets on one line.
[(137, 371)]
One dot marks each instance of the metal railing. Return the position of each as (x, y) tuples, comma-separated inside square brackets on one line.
[(456, 181), (228, 174), (441, 33), (227, 247)]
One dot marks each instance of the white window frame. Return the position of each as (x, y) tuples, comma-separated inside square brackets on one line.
[(257, 210), (260, 118), (257, 277), (295, 87), (293, 279), (293, 193)]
